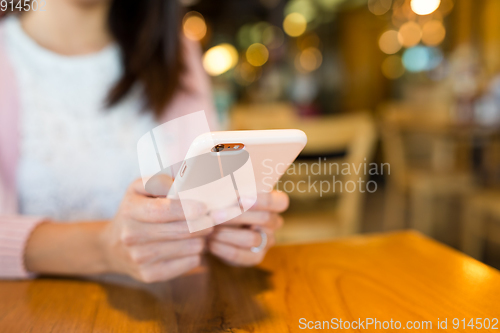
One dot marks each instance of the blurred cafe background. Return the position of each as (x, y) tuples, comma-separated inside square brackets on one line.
[(410, 85)]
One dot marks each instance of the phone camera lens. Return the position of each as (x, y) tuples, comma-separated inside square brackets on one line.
[(218, 148)]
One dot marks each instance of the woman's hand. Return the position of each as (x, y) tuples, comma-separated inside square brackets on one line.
[(149, 237), (232, 241)]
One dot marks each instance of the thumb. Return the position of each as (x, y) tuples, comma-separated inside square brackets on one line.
[(157, 186)]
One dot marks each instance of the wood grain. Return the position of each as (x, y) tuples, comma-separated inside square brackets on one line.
[(403, 276)]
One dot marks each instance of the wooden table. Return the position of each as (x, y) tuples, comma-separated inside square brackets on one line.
[(403, 276)]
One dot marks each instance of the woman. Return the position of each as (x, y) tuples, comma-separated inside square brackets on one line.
[(79, 84)]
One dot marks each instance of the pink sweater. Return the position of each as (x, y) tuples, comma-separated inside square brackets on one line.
[(15, 229)]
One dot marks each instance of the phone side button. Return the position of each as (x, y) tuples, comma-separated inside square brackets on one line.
[(184, 167)]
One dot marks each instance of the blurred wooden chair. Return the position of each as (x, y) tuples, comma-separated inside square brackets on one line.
[(263, 116), (482, 209), (481, 222), (427, 162), (340, 139)]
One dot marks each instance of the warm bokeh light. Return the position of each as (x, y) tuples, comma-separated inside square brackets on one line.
[(294, 24), (389, 42), (245, 73), (379, 7), (392, 67), (422, 20), (310, 59), (402, 13), (409, 34), (424, 7), (445, 7), (219, 59), (257, 54), (433, 33), (194, 26), (309, 40)]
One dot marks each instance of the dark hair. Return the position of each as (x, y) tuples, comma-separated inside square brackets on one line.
[(148, 33)]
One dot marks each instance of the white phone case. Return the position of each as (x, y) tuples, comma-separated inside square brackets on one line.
[(271, 152)]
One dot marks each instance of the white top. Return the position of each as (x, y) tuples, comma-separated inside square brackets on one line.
[(77, 157)]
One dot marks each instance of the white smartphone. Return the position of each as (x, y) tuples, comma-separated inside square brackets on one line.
[(214, 155)]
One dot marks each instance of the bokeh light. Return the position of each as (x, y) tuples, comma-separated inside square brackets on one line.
[(257, 54), (194, 26), (424, 7), (257, 30), (398, 16), (409, 34), (309, 59), (306, 8), (389, 42), (392, 67), (379, 7), (329, 4), (243, 36), (445, 7), (219, 59), (421, 58), (273, 37), (245, 73), (294, 24), (309, 40), (433, 33)]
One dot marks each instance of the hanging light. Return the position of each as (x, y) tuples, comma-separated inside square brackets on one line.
[(424, 7)]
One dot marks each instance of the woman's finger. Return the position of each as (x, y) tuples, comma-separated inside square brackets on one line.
[(161, 210), (275, 201), (161, 251), (243, 238), (159, 184), (135, 233), (250, 217), (234, 255), (166, 270)]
